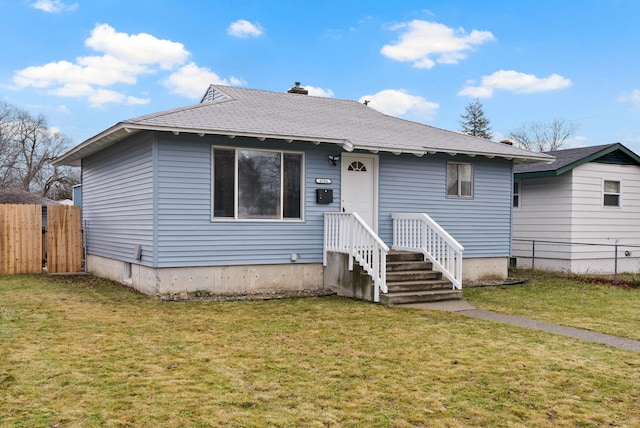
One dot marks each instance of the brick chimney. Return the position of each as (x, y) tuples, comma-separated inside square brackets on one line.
[(298, 90)]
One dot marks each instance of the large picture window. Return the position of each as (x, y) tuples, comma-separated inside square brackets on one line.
[(459, 180), (257, 184)]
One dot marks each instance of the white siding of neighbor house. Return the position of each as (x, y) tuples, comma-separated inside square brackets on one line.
[(569, 207), (117, 203), (482, 224), (595, 223), (545, 211)]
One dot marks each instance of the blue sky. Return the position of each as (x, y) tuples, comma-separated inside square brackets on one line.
[(87, 65)]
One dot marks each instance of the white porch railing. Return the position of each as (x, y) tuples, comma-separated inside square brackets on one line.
[(417, 232), (348, 233)]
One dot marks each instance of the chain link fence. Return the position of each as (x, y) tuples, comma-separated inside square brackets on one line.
[(576, 257)]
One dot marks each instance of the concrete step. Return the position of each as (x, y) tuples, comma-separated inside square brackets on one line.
[(408, 265), (404, 256), (412, 275), (416, 286), (419, 297)]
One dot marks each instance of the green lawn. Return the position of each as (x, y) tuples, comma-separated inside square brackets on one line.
[(604, 308), (83, 352)]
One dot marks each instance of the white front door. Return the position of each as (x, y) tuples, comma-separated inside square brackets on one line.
[(359, 181)]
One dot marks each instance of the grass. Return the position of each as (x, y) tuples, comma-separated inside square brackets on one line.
[(590, 304), (84, 352)]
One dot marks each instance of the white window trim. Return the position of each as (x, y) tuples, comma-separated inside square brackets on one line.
[(235, 189), (519, 194), (609, 193), (473, 182)]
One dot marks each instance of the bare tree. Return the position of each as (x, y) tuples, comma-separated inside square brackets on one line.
[(8, 150), (27, 146), (543, 137)]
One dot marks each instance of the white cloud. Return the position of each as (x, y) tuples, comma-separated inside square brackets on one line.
[(97, 96), (140, 48), (632, 98), (124, 59), (192, 81), (53, 6), (510, 80), (320, 92), (102, 71), (427, 43), (397, 102), (243, 29)]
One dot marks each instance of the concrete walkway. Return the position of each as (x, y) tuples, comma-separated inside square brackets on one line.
[(465, 308)]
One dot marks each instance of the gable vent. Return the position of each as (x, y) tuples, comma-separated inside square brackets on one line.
[(214, 94)]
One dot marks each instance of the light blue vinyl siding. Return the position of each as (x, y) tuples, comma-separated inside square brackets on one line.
[(187, 236), (117, 204), (482, 224), (154, 189)]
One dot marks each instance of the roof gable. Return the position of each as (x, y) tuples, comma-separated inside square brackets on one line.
[(566, 160), (233, 111)]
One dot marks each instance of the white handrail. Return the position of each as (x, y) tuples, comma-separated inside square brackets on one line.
[(417, 232), (348, 233)]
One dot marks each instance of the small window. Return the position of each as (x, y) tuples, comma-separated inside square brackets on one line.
[(127, 273), (460, 180), (611, 193), (516, 194)]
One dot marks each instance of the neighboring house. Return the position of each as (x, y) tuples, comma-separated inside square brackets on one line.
[(13, 195), (76, 195), (230, 195), (587, 196)]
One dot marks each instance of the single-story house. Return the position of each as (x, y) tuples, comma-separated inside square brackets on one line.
[(580, 213), (252, 190)]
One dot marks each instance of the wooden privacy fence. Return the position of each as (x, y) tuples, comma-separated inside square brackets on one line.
[(26, 245)]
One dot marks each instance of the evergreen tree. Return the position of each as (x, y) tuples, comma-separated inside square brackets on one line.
[(475, 123)]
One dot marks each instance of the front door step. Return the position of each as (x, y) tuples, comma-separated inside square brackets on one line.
[(410, 279), (420, 296)]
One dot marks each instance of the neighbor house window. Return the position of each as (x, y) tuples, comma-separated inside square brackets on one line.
[(611, 193), (257, 184), (460, 180), (516, 194)]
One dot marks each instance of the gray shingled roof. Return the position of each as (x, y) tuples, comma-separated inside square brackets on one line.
[(12, 195), (568, 159), (236, 111)]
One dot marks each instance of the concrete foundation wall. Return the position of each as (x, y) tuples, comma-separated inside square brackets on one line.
[(270, 278), (484, 269), (338, 278), (214, 279)]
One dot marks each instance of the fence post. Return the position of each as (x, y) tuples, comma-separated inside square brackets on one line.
[(533, 255), (615, 264)]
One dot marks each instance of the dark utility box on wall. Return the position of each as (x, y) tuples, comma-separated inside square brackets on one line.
[(324, 196)]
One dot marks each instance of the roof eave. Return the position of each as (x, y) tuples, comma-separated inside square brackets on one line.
[(124, 129), (579, 162), (93, 145)]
